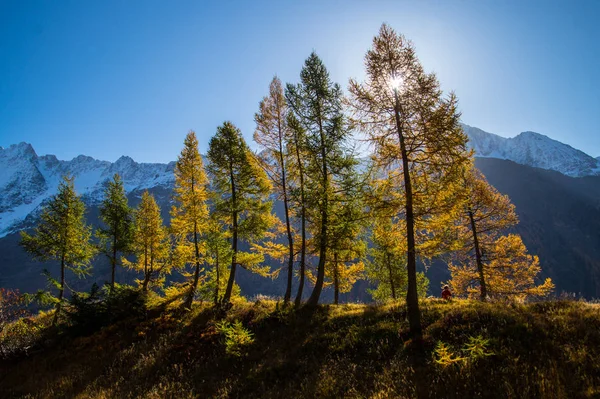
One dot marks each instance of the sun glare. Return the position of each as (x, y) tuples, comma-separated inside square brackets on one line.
[(396, 82)]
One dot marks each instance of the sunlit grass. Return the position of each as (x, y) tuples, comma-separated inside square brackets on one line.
[(547, 349)]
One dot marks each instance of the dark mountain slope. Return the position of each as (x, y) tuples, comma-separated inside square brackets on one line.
[(559, 221)]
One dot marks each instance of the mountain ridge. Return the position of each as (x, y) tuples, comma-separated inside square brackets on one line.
[(533, 149), (27, 180)]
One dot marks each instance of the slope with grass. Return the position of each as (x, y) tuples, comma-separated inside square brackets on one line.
[(472, 349)]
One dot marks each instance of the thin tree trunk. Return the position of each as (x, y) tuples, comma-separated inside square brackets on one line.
[(61, 292), (303, 227), (218, 282), (389, 265), (314, 297), (194, 287), (234, 240), (336, 280), (288, 291), (482, 284), (412, 298), (113, 264), (146, 276)]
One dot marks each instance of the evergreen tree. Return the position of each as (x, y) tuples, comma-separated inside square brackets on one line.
[(116, 215), (347, 241), (414, 129), (317, 104), (189, 216), (272, 135), (150, 244), (482, 253), (63, 236), (242, 198), (296, 147)]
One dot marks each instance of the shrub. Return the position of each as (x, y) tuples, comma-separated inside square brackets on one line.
[(88, 312), (237, 338)]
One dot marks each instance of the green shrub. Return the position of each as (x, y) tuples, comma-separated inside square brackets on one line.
[(88, 312), (237, 338)]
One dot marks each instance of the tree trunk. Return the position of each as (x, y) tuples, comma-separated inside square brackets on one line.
[(218, 282), (113, 263), (389, 265), (61, 292), (194, 287), (482, 284), (412, 298), (303, 227), (314, 297), (234, 240), (336, 280), (288, 290), (146, 275)]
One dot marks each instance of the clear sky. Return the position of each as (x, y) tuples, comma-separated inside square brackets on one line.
[(108, 78)]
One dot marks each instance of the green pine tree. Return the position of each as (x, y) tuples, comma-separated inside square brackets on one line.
[(117, 217), (62, 235), (317, 104), (296, 146), (242, 202)]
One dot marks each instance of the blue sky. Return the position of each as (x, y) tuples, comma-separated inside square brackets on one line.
[(107, 78)]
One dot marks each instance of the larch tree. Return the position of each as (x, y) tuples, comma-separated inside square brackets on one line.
[(189, 215), (386, 267), (242, 202), (272, 135), (412, 127), (347, 242), (485, 261), (62, 235), (150, 244), (218, 257), (509, 271), (347, 245), (317, 104), (117, 217)]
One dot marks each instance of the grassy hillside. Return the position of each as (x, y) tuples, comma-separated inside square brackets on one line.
[(541, 350)]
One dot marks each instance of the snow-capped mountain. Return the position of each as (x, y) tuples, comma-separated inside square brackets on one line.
[(533, 149), (27, 180)]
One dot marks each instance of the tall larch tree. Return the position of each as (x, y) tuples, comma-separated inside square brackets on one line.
[(189, 215), (117, 217), (414, 128), (62, 235), (317, 104), (272, 135), (150, 244), (484, 260), (242, 202)]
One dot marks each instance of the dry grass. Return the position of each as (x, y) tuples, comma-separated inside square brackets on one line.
[(542, 350)]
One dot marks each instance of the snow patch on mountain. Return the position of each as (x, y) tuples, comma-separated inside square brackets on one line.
[(533, 149), (27, 180)]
